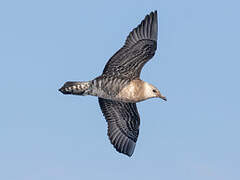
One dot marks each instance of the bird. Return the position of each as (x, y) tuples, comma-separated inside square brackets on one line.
[(119, 87)]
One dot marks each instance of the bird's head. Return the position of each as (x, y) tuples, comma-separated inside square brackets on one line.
[(151, 91)]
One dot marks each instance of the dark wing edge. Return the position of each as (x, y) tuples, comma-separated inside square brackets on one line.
[(139, 48), (123, 124), (148, 29)]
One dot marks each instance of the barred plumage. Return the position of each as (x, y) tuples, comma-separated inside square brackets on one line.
[(119, 87), (76, 88)]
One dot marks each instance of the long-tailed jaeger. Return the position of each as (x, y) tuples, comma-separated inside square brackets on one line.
[(119, 87)]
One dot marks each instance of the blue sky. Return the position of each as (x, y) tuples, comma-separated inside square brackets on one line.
[(46, 135)]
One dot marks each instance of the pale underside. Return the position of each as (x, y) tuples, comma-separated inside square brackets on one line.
[(135, 91)]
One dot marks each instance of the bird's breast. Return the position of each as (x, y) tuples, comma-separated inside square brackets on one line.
[(132, 92)]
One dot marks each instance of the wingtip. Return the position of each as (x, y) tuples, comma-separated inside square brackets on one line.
[(127, 148), (128, 153), (153, 13)]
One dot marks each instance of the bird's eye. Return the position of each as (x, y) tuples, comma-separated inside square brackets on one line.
[(154, 90)]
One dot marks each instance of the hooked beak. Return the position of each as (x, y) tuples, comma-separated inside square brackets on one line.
[(163, 97)]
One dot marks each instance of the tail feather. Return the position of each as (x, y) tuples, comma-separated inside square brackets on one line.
[(76, 88)]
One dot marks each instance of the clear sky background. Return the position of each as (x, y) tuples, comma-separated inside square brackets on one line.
[(46, 135)]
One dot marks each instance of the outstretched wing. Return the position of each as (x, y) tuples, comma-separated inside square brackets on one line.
[(123, 124), (139, 47)]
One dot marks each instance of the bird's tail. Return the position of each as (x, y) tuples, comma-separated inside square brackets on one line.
[(76, 88)]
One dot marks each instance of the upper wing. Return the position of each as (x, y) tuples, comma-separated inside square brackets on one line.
[(139, 47), (123, 124)]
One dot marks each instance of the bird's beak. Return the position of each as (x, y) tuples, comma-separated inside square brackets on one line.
[(163, 97)]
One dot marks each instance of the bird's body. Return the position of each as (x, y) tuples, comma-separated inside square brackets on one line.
[(119, 88)]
